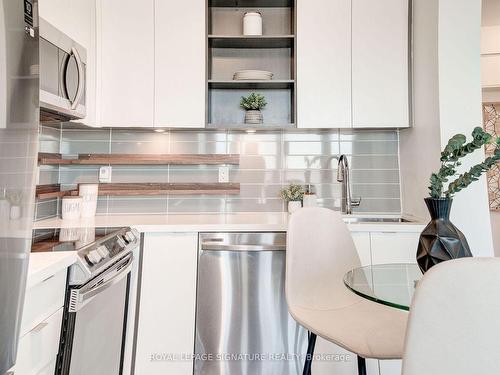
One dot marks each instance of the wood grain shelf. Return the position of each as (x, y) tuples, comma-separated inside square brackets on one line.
[(246, 41), (251, 84), (132, 189), (52, 191), (251, 127), (140, 159), (139, 189), (251, 3)]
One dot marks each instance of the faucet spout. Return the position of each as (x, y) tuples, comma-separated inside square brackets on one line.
[(344, 176)]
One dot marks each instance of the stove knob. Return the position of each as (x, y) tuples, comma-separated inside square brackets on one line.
[(130, 236), (94, 256), (121, 242), (103, 251)]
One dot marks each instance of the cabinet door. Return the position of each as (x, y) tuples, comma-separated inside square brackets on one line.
[(125, 63), (394, 247), (324, 64), (362, 242), (380, 70), (167, 304), (180, 63), (390, 367)]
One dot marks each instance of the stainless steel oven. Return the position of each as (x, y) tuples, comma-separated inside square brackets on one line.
[(95, 323), (62, 75)]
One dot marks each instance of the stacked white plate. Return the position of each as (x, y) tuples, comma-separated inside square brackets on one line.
[(252, 75)]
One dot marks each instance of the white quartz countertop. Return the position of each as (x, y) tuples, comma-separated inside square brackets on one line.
[(44, 265), (252, 222)]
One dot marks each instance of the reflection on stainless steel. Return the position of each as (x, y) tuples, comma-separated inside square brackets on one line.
[(344, 176), (242, 318), (19, 113), (352, 220)]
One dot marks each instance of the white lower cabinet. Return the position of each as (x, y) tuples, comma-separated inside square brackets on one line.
[(394, 247), (362, 243), (41, 326), (390, 367), (166, 322)]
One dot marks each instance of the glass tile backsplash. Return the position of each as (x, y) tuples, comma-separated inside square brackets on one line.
[(268, 162)]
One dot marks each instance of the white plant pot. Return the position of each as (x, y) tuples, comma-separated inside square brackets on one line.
[(15, 212), (253, 117), (294, 206)]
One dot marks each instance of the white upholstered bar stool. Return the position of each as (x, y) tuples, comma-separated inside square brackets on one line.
[(320, 250), (454, 323)]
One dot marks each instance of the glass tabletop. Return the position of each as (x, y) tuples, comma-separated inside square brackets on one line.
[(389, 284)]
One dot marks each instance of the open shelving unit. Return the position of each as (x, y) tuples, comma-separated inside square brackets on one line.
[(228, 51)]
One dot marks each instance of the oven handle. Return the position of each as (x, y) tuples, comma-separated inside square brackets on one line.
[(214, 246), (79, 299), (81, 78)]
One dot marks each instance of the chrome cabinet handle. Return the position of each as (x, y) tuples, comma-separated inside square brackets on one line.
[(81, 78)]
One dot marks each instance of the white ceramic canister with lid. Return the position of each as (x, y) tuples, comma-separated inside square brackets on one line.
[(252, 23), (89, 193)]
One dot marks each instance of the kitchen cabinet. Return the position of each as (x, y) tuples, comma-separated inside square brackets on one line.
[(166, 320), (394, 247), (125, 61), (380, 64), (179, 63), (41, 326), (362, 243), (353, 64), (77, 19), (324, 64)]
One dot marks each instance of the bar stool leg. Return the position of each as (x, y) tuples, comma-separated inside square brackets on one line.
[(361, 366), (310, 353)]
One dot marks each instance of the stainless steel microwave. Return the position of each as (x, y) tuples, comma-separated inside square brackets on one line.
[(62, 75)]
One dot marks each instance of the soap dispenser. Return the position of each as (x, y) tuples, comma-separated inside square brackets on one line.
[(310, 199)]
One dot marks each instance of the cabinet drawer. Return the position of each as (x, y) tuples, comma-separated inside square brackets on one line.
[(43, 300), (38, 348)]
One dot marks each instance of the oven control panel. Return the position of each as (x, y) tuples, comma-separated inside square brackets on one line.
[(99, 255)]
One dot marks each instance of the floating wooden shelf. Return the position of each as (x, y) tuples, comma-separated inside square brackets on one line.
[(251, 3), (52, 191), (135, 189), (247, 127), (258, 41), (252, 84), (140, 159), (131, 189)]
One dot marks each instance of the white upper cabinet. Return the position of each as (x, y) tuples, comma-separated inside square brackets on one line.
[(179, 92), (125, 84), (323, 63), (380, 63)]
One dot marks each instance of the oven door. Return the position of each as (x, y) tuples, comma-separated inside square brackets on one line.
[(94, 325)]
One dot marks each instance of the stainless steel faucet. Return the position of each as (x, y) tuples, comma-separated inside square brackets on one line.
[(344, 176)]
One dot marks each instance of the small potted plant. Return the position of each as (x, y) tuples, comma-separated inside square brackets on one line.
[(293, 194), (253, 103), (441, 240)]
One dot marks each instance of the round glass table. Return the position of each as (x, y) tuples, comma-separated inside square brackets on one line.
[(389, 284)]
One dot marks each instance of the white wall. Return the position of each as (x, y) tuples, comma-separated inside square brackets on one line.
[(447, 101), (420, 145)]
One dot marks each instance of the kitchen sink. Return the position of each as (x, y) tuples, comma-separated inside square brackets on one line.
[(354, 220)]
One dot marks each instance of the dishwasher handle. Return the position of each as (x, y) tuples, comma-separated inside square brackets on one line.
[(213, 245)]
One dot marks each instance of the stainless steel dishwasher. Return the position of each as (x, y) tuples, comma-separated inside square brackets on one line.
[(242, 322)]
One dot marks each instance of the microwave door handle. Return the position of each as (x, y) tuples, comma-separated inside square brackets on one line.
[(81, 78)]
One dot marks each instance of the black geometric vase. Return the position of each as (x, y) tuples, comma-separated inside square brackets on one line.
[(440, 240)]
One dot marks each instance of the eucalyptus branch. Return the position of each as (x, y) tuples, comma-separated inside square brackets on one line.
[(456, 149)]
